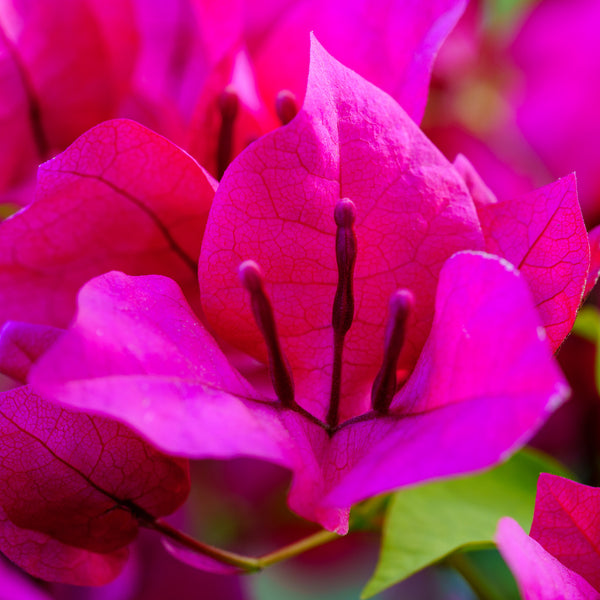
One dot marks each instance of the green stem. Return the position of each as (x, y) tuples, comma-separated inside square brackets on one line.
[(245, 563), (308, 543), (461, 563)]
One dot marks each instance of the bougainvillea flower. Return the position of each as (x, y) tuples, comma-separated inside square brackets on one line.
[(64, 70), (71, 503), (120, 197), (561, 556), (355, 219), (263, 50)]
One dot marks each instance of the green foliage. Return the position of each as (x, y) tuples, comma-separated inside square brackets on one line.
[(587, 326), (505, 13), (428, 523)]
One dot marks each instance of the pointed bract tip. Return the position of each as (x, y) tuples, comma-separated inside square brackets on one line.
[(344, 213), (251, 276)]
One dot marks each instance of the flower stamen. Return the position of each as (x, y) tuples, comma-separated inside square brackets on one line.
[(262, 309), (286, 106), (385, 384), (229, 104), (343, 303)]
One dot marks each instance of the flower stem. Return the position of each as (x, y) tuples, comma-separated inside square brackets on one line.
[(247, 564), (461, 563), (308, 543)]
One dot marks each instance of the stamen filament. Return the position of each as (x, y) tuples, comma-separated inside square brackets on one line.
[(384, 386), (228, 105), (343, 303), (262, 309)]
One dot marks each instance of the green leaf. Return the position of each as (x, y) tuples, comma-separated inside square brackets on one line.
[(427, 523), (587, 326)]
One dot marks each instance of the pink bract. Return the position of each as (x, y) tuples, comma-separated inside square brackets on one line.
[(540, 575), (561, 558), (120, 197), (567, 524)]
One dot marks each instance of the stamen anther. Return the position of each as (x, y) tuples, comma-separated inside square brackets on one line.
[(262, 309), (384, 387), (286, 106), (343, 304), (229, 104)]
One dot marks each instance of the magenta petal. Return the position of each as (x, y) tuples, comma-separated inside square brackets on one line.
[(566, 523), (83, 479), (21, 344), (486, 380), (543, 234), (120, 197), (413, 212), (137, 352), (540, 575)]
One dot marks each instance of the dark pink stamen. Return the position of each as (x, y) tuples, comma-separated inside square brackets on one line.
[(229, 104), (286, 106), (384, 386), (343, 303), (262, 309)]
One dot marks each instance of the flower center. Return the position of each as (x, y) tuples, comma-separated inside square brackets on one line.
[(401, 305)]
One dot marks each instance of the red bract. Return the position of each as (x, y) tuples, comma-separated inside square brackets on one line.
[(121, 197), (562, 559), (64, 69), (72, 502), (350, 180)]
